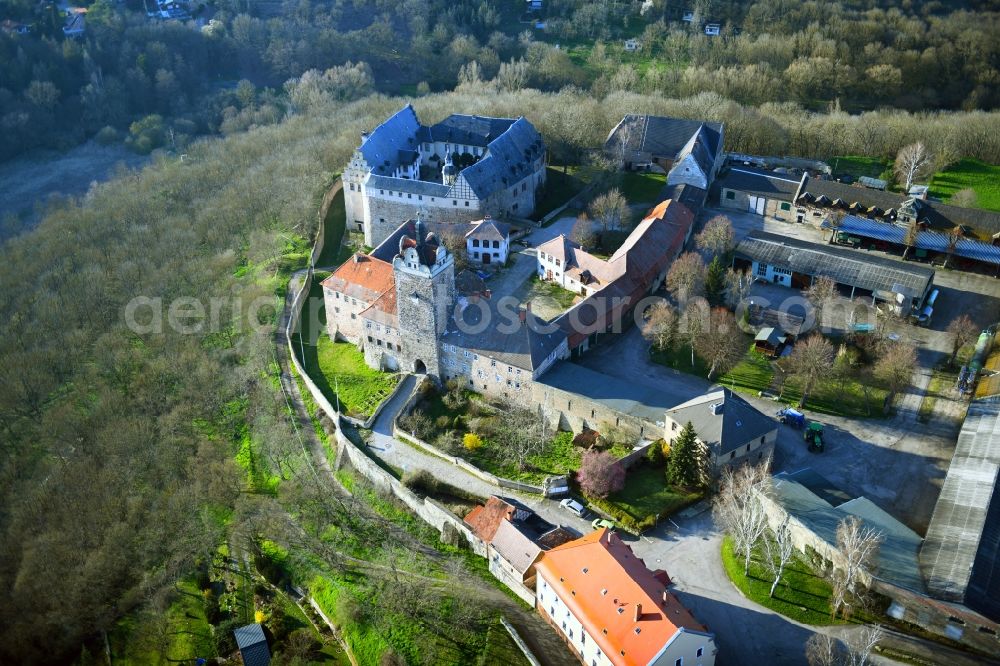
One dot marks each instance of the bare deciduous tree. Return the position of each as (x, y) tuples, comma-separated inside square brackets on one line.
[(611, 210), (824, 650), (582, 232), (739, 509), (912, 162), (717, 238), (520, 434), (512, 76), (895, 367), (858, 547), (660, 327), (910, 237), (821, 295), (810, 359), (692, 322), (686, 277), (966, 198), (722, 344), (737, 287), (963, 331), (778, 553), (861, 645)]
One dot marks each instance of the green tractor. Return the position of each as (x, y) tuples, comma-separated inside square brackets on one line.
[(813, 435)]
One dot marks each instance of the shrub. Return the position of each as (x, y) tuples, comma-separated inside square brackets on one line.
[(472, 441), (420, 481), (442, 422), (449, 442), (655, 455), (107, 136)]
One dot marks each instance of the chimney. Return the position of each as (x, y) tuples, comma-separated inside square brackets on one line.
[(522, 315), (364, 137), (716, 408), (488, 294), (664, 597), (638, 612)]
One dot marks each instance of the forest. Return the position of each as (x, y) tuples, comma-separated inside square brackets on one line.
[(125, 450), (158, 83)]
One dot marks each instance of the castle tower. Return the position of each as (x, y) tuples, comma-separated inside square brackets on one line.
[(424, 271), (448, 172)]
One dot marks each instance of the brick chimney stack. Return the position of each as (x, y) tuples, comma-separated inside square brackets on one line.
[(638, 612)]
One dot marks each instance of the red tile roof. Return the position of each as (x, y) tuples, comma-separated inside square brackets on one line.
[(602, 583), (362, 277), (484, 520)]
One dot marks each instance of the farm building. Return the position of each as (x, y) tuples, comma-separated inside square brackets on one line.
[(817, 199), (758, 191), (795, 263), (886, 236)]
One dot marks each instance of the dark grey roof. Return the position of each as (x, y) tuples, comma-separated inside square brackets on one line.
[(389, 248), (397, 133), (492, 327), (701, 147), (425, 187), (848, 267), (490, 229), (961, 556), (897, 561), (689, 195), (631, 398), (253, 645), (467, 130), (930, 212), (661, 136), (509, 160), (759, 182), (731, 428), (926, 240)]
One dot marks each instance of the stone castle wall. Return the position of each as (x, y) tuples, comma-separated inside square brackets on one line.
[(383, 215)]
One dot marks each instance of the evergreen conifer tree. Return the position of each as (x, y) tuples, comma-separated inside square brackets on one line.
[(686, 466)]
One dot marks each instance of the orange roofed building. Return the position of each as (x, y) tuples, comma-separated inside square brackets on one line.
[(613, 610)]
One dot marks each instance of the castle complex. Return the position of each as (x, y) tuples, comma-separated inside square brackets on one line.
[(463, 168)]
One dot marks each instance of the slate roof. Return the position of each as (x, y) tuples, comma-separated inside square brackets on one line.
[(253, 645), (926, 240), (759, 182), (633, 398), (397, 133), (663, 137), (464, 129), (489, 229), (737, 424), (897, 561), (492, 327), (509, 160), (961, 555), (424, 187), (515, 547), (603, 584), (693, 198), (702, 148), (930, 212), (362, 277), (849, 267)]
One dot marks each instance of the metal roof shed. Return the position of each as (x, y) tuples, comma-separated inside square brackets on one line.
[(882, 276), (253, 645)]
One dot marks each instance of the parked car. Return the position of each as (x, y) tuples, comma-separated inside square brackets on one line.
[(602, 522), (573, 506)]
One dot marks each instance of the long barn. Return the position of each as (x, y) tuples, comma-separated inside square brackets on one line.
[(795, 263)]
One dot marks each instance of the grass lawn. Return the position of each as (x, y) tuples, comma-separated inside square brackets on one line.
[(940, 385), (547, 299), (679, 358), (334, 254), (501, 650), (559, 188), (981, 177), (559, 457), (339, 364), (647, 493), (754, 373), (802, 595), (642, 187), (190, 634), (873, 167)]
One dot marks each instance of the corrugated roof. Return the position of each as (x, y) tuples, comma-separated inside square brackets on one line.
[(926, 240), (253, 645), (874, 273), (736, 424), (603, 584), (961, 557), (897, 561)]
